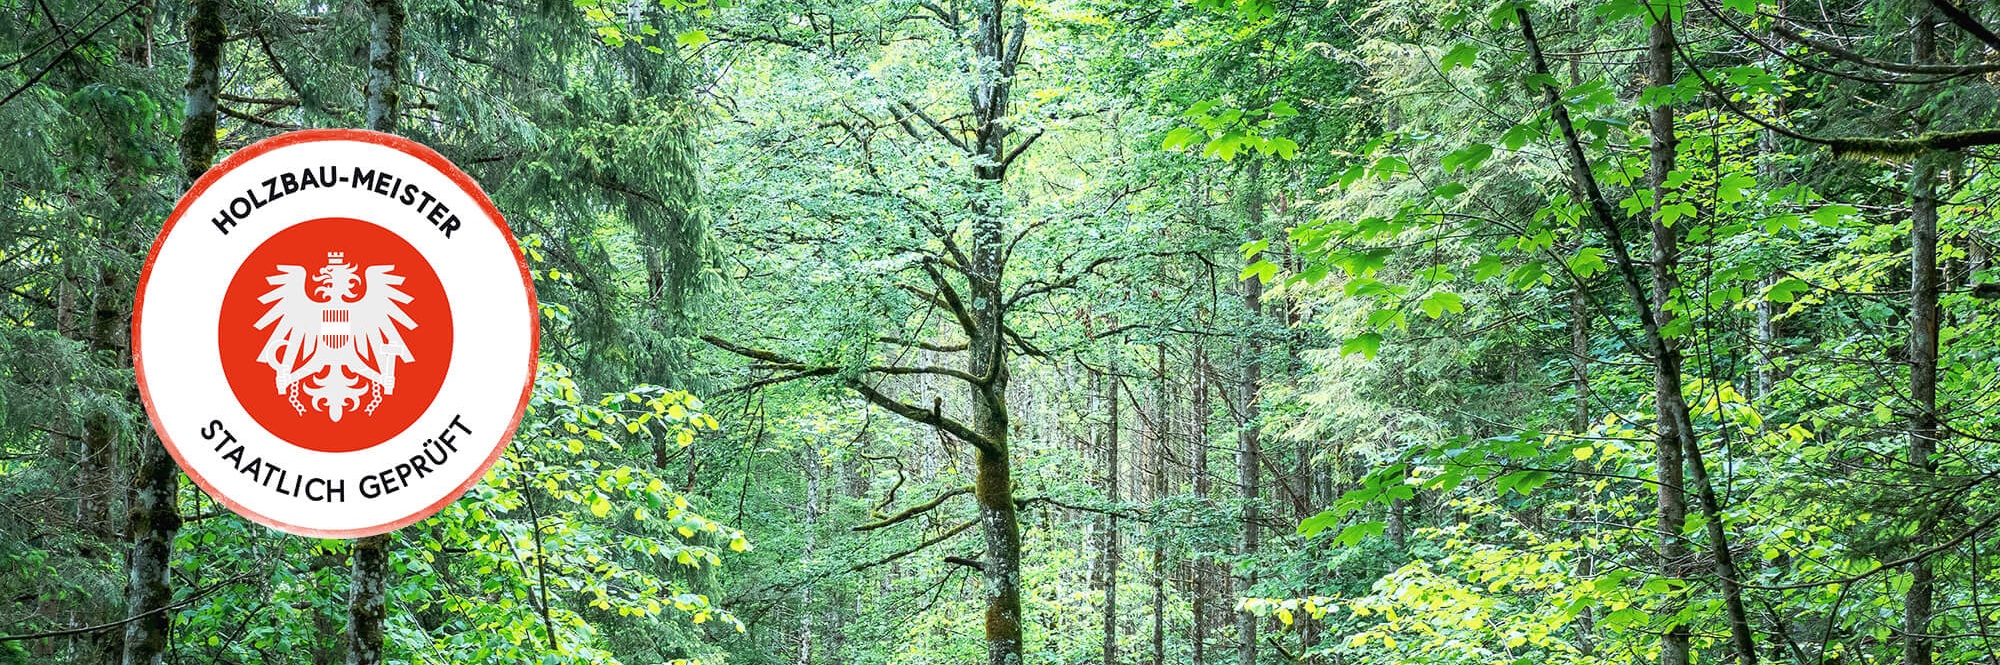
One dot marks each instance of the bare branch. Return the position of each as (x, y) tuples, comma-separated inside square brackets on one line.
[(1842, 53), (253, 119), (1016, 152), (948, 297), (1967, 23), (928, 346), (913, 511), (919, 548), (198, 595), (775, 361), (1037, 288), (933, 417), (912, 110)]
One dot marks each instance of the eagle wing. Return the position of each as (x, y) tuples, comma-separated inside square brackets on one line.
[(296, 318), (377, 340)]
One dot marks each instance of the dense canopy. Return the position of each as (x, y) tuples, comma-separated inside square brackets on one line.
[(1344, 332)]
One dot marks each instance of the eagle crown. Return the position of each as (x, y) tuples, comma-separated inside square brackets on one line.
[(337, 279)]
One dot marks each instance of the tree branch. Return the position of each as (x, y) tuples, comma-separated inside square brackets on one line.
[(107, 626), (948, 297), (1967, 23), (913, 511), (928, 346), (919, 548), (253, 119), (1842, 53), (912, 110), (1016, 152), (932, 417), (1033, 289)]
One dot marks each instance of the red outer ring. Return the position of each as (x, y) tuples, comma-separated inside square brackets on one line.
[(408, 147)]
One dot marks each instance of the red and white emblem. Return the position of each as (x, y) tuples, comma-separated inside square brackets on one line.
[(296, 338), (339, 337), (312, 321)]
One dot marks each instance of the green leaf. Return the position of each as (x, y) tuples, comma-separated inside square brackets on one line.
[(1389, 166), (1312, 526), (1284, 147), (1436, 304), (1673, 212), (1251, 248), (1265, 271), (1588, 261), (1367, 344), (1786, 290), (1832, 214), (1352, 175), (1354, 533), (1488, 267), (1733, 186), (1182, 137), (1466, 158), (1462, 54), (691, 38), (1528, 275)]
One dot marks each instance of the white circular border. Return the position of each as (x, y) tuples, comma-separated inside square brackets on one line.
[(177, 356)]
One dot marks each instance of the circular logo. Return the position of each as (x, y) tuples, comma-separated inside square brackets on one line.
[(335, 333)]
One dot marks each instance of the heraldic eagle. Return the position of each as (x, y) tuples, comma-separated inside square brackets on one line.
[(332, 343)]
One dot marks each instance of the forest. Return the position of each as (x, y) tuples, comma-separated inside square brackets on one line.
[(1132, 332)]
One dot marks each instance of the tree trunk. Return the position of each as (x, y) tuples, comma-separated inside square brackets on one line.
[(1579, 422), (385, 63), (1672, 404), (153, 517), (1918, 602), (1108, 537), (994, 485), (1667, 459), (1162, 436), (367, 606), (1198, 456), (812, 473), (1248, 456)]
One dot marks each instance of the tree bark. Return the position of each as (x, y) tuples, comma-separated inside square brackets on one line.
[(1162, 436), (1667, 458), (1918, 601), (997, 51), (1248, 435), (385, 63), (812, 473), (367, 607), (1579, 422), (1198, 455), (153, 517), (1666, 259), (367, 604), (1108, 537)]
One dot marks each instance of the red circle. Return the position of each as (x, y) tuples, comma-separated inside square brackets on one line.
[(328, 401), (408, 147)]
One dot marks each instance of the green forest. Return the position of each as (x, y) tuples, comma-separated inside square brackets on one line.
[(1128, 332)]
